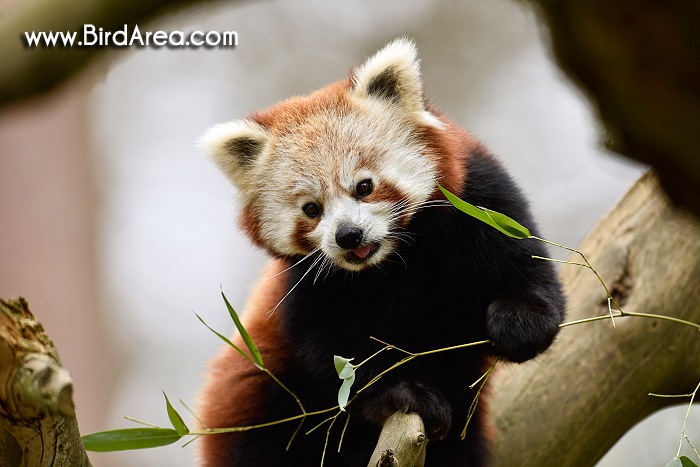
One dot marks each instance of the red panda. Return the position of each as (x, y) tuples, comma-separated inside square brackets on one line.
[(340, 187)]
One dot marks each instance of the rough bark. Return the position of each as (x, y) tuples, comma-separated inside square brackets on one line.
[(575, 402), (402, 442), (38, 427)]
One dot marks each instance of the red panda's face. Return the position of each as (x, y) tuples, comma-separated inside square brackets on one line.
[(338, 173)]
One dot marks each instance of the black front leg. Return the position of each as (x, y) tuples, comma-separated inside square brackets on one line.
[(407, 397), (523, 325)]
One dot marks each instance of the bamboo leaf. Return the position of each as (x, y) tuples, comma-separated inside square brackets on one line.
[(244, 334), (175, 418), (682, 461), (225, 339), (508, 225), (346, 372), (130, 438), (342, 366), (344, 392), (495, 219)]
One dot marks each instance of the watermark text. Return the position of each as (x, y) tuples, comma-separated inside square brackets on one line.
[(93, 36)]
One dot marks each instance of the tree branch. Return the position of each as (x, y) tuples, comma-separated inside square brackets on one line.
[(28, 71), (38, 427), (401, 443), (579, 398)]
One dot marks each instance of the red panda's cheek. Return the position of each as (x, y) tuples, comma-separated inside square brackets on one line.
[(250, 223), (386, 192), (275, 234), (301, 234), (390, 195)]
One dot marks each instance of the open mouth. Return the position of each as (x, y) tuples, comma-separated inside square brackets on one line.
[(361, 253)]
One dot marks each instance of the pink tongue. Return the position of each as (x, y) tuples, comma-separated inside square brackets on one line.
[(362, 251)]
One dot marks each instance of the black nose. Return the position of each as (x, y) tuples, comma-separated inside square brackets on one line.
[(348, 236)]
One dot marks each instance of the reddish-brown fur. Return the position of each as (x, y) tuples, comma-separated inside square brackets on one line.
[(452, 145), (292, 112), (229, 369)]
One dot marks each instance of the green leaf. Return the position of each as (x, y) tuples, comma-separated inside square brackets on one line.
[(495, 219), (225, 339), (244, 334), (130, 438), (343, 366), (346, 372), (681, 462), (344, 392), (508, 225), (175, 418)]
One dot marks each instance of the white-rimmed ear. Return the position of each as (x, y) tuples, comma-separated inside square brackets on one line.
[(234, 146), (393, 75)]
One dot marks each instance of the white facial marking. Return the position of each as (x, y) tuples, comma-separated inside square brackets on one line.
[(373, 219), (375, 145)]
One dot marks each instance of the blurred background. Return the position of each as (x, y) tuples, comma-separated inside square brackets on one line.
[(117, 229)]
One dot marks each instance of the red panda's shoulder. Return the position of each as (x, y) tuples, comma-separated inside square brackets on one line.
[(229, 369)]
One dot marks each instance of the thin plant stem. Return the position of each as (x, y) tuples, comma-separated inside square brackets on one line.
[(236, 429), (289, 391), (552, 260), (294, 435), (619, 314), (662, 317), (691, 446), (475, 402), (587, 265), (685, 422), (140, 422), (199, 420), (328, 435), (319, 425), (391, 346), (345, 428)]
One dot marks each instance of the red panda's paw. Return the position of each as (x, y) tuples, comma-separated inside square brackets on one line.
[(409, 397), (521, 328)]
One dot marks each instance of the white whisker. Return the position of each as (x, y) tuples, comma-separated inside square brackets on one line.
[(295, 285), (401, 258), (325, 264), (292, 266)]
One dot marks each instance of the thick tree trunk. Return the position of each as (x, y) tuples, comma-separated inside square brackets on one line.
[(38, 427), (575, 402)]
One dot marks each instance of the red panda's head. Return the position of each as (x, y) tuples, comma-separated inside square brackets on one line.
[(340, 171)]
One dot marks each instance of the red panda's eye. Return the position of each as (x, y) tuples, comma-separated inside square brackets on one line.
[(364, 188), (312, 210)]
